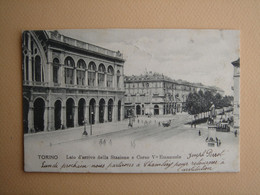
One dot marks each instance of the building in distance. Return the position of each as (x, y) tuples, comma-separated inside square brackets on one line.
[(157, 94)]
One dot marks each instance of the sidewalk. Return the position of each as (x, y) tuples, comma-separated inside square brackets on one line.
[(72, 134)]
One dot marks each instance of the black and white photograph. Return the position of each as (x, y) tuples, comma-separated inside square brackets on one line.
[(131, 100)]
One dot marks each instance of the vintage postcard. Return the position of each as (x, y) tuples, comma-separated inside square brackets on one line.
[(131, 100)]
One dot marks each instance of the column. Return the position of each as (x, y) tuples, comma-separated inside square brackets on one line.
[(114, 81), (86, 78), (64, 116), (86, 113), (62, 71), (75, 76), (105, 85), (46, 118), (30, 118), (29, 58), (51, 118), (161, 109), (61, 115), (106, 113), (115, 117), (76, 124), (96, 79), (49, 71), (96, 114), (122, 111)]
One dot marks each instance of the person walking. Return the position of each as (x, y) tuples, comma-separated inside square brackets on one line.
[(85, 128)]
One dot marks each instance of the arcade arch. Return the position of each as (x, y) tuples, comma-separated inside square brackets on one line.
[(81, 111), (156, 110), (110, 110), (101, 110), (92, 106), (39, 108), (57, 114), (70, 109)]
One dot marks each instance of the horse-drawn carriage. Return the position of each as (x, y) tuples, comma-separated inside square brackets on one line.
[(223, 126), (166, 123)]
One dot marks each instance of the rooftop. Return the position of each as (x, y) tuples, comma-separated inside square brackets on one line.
[(55, 35), (150, 76)]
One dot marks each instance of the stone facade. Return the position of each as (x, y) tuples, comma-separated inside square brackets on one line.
[(156, 94), (67, 82)]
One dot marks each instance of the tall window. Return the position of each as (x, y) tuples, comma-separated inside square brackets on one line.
[(118, 79), (101, 75), (33, 67), (91, 74), (81, 68), (110, 75), (69, 70), (38, 71), (56, 63)]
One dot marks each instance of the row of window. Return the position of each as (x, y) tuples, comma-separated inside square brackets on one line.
[(81, 69)]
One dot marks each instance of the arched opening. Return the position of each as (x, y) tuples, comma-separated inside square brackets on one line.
[(138, 110), (101, 75), (91, 74), (118, 79), (101, 110), (110, 75), (57, 114), (25, 115), (110, 110), (56, 63), (156, 110), (69, 70), (119, 111), (70, 112), (92, 105), (38, 71), (81, 112), (39, 107), (81, 68)]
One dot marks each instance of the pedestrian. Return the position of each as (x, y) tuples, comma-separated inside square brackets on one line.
[(195, 125), (159, 124), (85, 128), (100, 142), (199, 133), (235, 133)]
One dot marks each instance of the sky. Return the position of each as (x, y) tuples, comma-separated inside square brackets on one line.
[(197, 56)]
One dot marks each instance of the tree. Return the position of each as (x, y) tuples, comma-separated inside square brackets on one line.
[(200, 102)]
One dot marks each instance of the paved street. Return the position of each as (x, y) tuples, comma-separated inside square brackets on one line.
[(144, 139), (144, 128)]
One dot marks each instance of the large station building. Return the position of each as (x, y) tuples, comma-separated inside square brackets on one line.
[(157, 94), (67, 82)]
